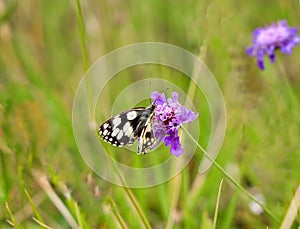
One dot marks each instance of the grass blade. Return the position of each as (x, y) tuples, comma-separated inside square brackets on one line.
[(43, 182), (230, 178), (137, 207), (36, 213), (175, 197), (117, 214), (217, 205), (82, 36), (135, 203), (41, 223), (292, 211), (11, 216)]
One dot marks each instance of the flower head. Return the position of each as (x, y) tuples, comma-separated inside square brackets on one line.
[(169, 115), (276, 36)]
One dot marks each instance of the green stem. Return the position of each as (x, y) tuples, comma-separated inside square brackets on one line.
[(82, 34), (116, 213), (243, 190), (12, 218), (85, 57), (137, 207), (286, 81), (34, 208), (217, 206), (131, 196)]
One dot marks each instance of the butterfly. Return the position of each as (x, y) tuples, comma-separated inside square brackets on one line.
[(123, 129)]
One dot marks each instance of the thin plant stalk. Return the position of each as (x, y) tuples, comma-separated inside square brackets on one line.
[(243, 190), (43, 225), (284, 77), (132, 198), (82, 34), (35, 210), (292, 211), (85, 57), (12, 218), (59, 204), (217, 205), (175, 197), (117, 214)]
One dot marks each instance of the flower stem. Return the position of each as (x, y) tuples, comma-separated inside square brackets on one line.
[(130, 195), (285, 79), (83, 36), (217, 206), (234, 182), (85, 57)]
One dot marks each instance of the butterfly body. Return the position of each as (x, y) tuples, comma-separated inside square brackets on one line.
[(123, 129)]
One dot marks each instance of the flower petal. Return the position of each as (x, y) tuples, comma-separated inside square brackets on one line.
[(169, 115), (158, 98), (176, 148), (267, 40)]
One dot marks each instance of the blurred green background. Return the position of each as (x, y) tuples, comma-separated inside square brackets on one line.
[(44, 54)]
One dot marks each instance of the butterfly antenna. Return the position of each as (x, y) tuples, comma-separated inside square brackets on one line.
[(150, 91), (166, 90)]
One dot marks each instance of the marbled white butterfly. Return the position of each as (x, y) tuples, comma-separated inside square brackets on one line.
[(124, 128)]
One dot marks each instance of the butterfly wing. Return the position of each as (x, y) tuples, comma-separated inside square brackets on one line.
[(123, 129), (147, 138), (120, 129)]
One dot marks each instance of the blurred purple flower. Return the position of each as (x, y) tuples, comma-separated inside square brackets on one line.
[(169, 115), (267, 39)]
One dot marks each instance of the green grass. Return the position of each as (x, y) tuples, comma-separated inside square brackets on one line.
[(47, 46)]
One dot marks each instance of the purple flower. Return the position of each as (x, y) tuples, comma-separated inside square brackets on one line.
[(169, 115), (276, 36)]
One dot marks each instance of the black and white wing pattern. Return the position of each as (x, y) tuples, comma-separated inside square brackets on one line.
[(147, 138), (124, 128)]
